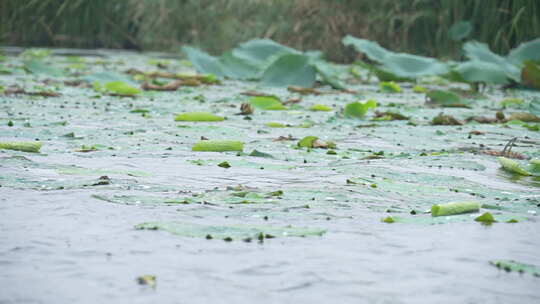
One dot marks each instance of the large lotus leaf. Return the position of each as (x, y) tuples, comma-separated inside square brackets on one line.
[(329, 75), (398, 64), (236, 68), (38, 67), (530, 74), (203, 62), (258, 52), (481, 71), (371, 49), (289, 69), (107, 76), (233, 232), (460, 30), (412, 66), (477, 51), (525, 51)]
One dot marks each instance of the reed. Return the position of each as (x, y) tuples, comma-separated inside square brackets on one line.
[(415, 26)]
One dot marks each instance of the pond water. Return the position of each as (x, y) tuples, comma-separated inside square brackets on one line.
[(68, 218)]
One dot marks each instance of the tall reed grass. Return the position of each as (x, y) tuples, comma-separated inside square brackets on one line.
[(416, 26)]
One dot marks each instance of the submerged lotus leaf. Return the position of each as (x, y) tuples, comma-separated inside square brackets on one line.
[(460, 30), (358, 109), (38, 67), (290, 70), (266, 103), (218, 146), (526, 51), (198, 116), (203, 62), (231, 232)]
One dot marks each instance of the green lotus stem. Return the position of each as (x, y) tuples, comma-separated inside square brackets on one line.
[(21, 146), (454, 208), (512, 166), (218, 146)]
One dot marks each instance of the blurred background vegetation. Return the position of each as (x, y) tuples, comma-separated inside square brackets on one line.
[(414, 26)]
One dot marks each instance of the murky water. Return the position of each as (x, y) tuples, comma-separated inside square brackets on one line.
[(64, 238)]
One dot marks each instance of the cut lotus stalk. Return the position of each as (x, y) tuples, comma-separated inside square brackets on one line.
[(454, 208)]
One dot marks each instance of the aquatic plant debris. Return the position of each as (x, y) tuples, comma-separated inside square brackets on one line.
[(511, 265)]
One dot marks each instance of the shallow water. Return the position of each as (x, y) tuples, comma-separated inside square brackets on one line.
[(64, 239)]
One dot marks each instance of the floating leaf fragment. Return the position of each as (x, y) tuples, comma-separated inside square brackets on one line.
[(320, 107), (198, 116), (358, 109), (445, 120), (147, 279), (266, 103), (524, 117), (218, 146), (445, 98), (389, 87), (21, 146), (388, 220), (511, 265), (224, 164), (120, 88), (454, 208), (315, 142), (486, 219)]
